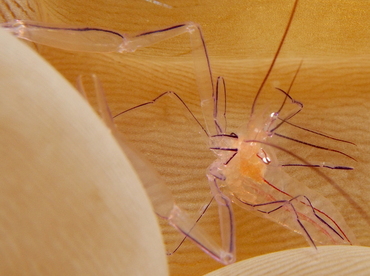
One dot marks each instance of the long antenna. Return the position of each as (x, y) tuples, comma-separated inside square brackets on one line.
[(275, 57)]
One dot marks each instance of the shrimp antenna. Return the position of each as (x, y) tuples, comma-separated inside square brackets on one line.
[(288, 96), (316, 132), (315, 146), (285, 120), (291, 115), (275, 57)]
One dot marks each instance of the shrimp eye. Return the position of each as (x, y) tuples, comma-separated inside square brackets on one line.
[(264, 157)]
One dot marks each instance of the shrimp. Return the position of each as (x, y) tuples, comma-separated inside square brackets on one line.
[(246, 171), (249, 173)]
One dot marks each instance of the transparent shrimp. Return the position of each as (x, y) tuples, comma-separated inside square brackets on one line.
[(246, 170), (249, 173)]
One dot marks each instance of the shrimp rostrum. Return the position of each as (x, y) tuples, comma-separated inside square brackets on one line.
[(246, 170)]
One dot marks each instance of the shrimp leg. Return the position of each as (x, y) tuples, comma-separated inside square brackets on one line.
[(161, 197), (297, 107), (89, 39), (302, 210)]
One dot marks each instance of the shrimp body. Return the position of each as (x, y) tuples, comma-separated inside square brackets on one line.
[(248, 172)]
